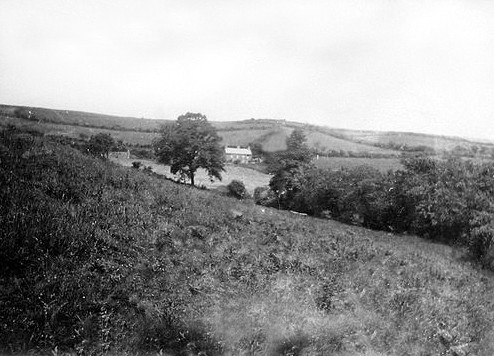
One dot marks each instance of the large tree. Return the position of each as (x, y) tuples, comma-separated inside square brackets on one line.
[(100, 145), (289, 167), (188, 144)]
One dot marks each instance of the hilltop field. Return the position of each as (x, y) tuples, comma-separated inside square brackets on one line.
[(96, 258)]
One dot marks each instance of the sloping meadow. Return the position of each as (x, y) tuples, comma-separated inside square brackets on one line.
[(96, 258)]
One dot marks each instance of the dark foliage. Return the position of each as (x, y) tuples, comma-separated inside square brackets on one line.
[(289, 168), (189, 144), (142, 153), (237, 189), (99, 145), (450, 201)]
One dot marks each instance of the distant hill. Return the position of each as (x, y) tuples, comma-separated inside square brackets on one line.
[(270, 134), (393, 139), (80, 118)]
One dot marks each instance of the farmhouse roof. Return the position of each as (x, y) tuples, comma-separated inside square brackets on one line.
[(238, 150)]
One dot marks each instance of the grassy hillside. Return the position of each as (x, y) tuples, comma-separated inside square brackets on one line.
[(410, 139), (382, 164), (97, 258), (270, 133), (79, 118)]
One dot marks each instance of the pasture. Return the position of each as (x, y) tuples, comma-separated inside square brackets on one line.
[(325, 141), (334, 163), (250, 177), (270, 133), (438, 143), (242, 137)]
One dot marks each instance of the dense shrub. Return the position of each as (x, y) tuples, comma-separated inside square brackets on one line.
[(100, 145), (449, 201), (237, 189), (142, 153), (265, 196)]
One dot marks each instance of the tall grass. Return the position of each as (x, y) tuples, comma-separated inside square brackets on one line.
[(99, 259)]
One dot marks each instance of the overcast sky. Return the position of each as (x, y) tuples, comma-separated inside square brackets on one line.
[(403, 65)]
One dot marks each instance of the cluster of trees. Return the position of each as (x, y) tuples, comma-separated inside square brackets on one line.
[(100, 145), (449, 200)]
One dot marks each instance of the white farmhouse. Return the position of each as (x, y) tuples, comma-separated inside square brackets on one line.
[(238, 154)]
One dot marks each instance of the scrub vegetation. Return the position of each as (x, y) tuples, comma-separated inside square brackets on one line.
[(446, 200), (101, 259)]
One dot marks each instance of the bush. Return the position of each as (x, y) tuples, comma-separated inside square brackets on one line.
[(481, 237), (265, 196), (136, 164), (100, 145), (237, 189), (142, 153)]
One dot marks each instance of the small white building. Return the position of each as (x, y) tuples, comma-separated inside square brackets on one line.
[(238, 153)]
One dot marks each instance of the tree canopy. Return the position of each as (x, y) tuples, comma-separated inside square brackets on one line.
[(100, 145), (296, 141), (188, 144), (289, 166)]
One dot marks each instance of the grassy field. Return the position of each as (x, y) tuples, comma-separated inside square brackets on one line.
[(319, 137), (250, 177), (382, 164), (271, 134), (101, 259), (129, 137), (328, 142), (274, 139), (79, 118), (410, 139), (242, 137), (271, 139)]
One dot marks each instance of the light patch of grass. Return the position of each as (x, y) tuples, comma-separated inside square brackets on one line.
[(335, 163), (326, 141), (283, 319), (250, 177), (241, 137)]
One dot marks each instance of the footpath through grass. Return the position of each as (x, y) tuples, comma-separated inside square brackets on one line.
[(101, 259)]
